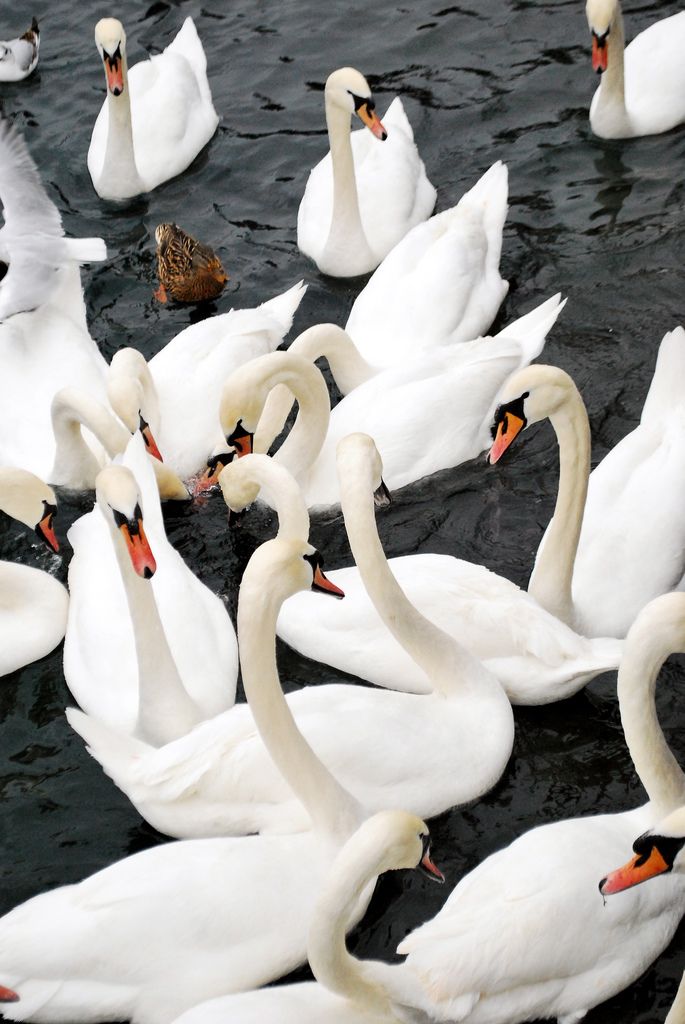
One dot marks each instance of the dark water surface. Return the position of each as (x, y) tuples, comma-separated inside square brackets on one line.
[(599, 221)]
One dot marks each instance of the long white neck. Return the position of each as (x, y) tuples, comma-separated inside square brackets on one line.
[(676, 1015), (331, 808), (165, 711), (302, 445), (550, 582), (610, 117), (119, 176), (450, 668), (658, 631), (323, 341), (243, 479), (355, 868), (75, 464), (346, 229)]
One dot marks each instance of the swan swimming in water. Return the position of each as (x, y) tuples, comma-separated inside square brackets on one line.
[(156, 117), (363, 197)]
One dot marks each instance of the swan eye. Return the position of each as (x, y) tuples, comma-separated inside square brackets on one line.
[(119, 518), (112, 59), (360, 101), (501, 415), (667, 846)]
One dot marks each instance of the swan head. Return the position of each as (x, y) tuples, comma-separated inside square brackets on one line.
[(239, 483), (130, 390), (119, 499), (358, 458), (110, 40), (658, 851), (348, 90), (283, 567), (600, 16), (30, 501), (529, 395), (402, 841)]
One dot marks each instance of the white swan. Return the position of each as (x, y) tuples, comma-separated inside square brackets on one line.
[(212, 915), (156, 117), (432, 413), (603, 557), (441, 284), (657, 850), (18, 57), (34, 254), (33, 605), (347, 991), (178, 391), (172, 630), (526, 934), (76, 465), (363, 197), (642, 91), (457, 737)]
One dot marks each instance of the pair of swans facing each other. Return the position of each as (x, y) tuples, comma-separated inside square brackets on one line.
[(219, 778), (617, 536), (468, 963), (33, 605), (156, 117), (642, 91), (431, 414)]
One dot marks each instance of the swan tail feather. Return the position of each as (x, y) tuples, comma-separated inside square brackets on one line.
[(668, 383), (85, 250), (284, 306), (531, 329), (113, 751)]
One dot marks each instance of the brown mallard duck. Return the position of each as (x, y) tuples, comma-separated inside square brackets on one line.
[(188, 270)]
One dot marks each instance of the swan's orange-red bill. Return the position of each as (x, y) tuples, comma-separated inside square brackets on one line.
[(46, 530), (140, 553), (600, 54), (430, 868), (150, 443), (323, 585), (372, 122), (114, 72), (507, 429), (242, 444), (7, 995), (639, 869)]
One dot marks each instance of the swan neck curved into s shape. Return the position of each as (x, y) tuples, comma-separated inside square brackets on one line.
[(75, 465), (551, 581)]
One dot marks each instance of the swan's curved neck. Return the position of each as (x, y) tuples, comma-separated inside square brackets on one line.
[(645, 651), (450, 668), (304, 442), (242, 479), (329, 805), (327, 952), (323, 341), (346, 225), (550, 583), (75, 464), (611, 100), (165, 711), (119, 172)]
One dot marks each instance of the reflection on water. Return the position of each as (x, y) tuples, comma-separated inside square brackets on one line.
[(601, 222)]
